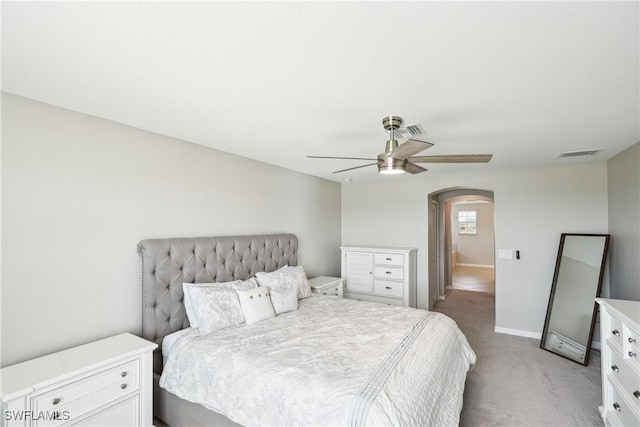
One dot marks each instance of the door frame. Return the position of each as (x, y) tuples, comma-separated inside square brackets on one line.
[(437, 281)]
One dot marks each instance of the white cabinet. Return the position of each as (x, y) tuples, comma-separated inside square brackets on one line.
[(380, 274), (620, 335), (107, 382), (325, 285)]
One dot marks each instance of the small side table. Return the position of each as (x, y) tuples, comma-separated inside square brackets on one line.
[(325, 285)]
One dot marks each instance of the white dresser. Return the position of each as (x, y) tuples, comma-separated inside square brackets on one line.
[(620, 334), (325, 285), (104, 383), (380, 274)]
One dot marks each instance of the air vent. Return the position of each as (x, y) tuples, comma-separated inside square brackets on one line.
[(411, 130), (584, 153)]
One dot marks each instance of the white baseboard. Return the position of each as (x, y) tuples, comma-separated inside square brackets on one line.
[(595, 345), (461, 264), (518, 332), (442, 297)]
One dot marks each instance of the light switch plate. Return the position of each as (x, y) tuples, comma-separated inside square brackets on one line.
[(506, 254)]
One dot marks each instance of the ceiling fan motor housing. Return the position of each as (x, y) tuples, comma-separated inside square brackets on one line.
[(391, 122)]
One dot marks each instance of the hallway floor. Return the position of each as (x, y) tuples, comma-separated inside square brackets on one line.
[(475, 279)]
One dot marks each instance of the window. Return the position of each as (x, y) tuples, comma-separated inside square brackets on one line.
[(467, 222)]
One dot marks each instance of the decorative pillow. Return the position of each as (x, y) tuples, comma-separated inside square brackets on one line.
[(287, 278), (256, 305), (284, 301), (215, 308), (232, 286)]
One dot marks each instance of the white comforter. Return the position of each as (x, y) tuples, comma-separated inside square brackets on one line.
[(333, 362)]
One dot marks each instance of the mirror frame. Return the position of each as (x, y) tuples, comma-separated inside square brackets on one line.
[(597, 294)]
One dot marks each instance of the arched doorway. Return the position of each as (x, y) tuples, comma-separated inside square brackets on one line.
[(441, 244)]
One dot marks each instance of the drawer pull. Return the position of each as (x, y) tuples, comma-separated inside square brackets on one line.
[(388, 259), (615, 368), (616, 332), (56, 401), (123, 386), (631, 340), (387, 272), (123, 374), (324, 293), (388, 287), (616, 406), (632, 354), (636, 394)]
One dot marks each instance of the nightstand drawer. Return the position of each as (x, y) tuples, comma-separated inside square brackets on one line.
[(389, 288), (388, 259), (396, 273), (335, 290), (79, 397)]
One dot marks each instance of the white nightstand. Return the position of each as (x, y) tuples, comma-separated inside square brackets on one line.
[(104, 383), (325, 285)]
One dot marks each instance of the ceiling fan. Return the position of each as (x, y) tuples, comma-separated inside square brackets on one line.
[(397, 159)]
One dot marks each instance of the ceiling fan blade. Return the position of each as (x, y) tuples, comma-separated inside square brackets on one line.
[(453, 158), (409, 148), (357, 167), (412, 168), (342, 158)]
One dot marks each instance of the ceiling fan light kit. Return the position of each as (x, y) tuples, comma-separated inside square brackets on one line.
[(397, 159), (390, 166)]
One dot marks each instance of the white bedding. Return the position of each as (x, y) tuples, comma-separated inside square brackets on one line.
[(334, 361)]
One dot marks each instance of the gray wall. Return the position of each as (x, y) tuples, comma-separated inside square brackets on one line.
[(623, 173), (79, 192), (478, 248), (532, 208)]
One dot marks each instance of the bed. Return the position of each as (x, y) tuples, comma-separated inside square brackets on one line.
[(332, 361)]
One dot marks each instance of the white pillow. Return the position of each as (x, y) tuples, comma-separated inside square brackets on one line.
[(284, 301), (287, 278), (215, 308), (188, 306), (256, 305), (188, 299), (298, 275)]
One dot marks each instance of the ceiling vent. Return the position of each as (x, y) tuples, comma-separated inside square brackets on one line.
[(411, 130), (584, 153)]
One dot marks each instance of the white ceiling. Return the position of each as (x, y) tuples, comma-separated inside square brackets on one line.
[(278, 81)]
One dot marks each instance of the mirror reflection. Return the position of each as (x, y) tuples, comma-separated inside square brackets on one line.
[(577, 280)]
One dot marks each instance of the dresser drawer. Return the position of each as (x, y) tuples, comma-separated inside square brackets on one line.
[(631, 344), (624, 375), (79, 397), (388, 259), (389, 288), (373, 298), (615, 331), (631, 338), (629, 416), (396, 273)]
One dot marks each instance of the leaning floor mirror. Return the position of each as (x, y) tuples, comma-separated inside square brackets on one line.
[(577, 280)]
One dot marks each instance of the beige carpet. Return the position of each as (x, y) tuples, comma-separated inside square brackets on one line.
[(515, 383)]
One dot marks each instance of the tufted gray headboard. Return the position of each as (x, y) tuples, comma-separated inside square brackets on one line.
[(168, 263)]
